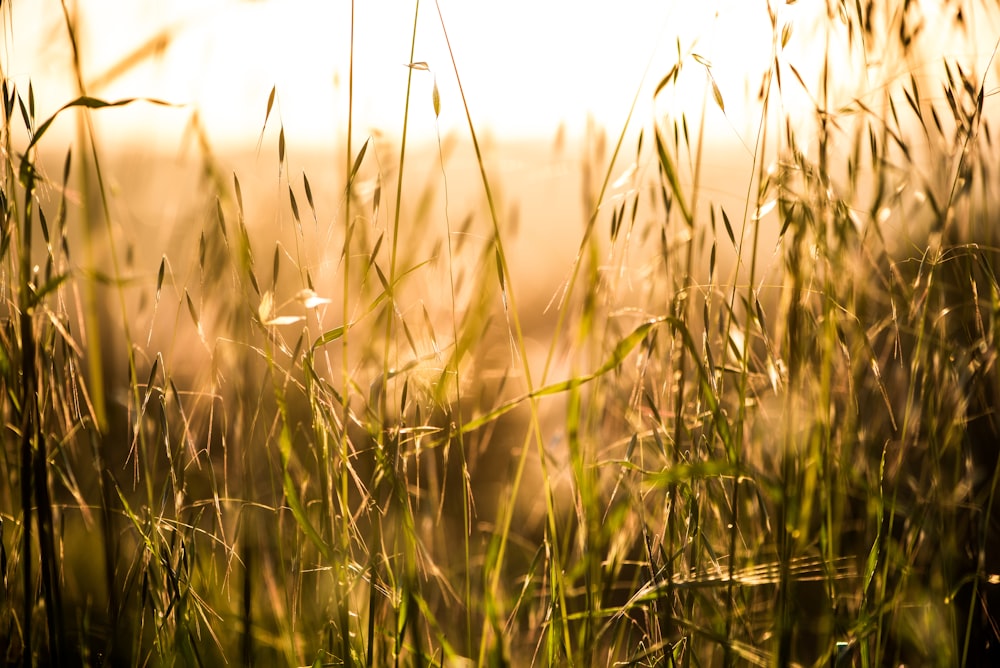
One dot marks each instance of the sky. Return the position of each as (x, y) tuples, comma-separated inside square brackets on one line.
[(526, 67)]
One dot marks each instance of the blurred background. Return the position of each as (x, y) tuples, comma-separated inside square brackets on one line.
[(549, 88), (527, 67)]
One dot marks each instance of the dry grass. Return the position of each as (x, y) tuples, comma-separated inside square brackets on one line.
[(760, 437)]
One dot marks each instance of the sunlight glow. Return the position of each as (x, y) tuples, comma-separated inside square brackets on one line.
[(526, 67)]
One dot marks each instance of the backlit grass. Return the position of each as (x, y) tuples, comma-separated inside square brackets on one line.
[(355, 434)]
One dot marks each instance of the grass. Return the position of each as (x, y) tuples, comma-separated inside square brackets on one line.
[(762, 437)]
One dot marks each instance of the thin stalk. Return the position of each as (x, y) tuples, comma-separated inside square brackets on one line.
[(34, 450), (343, 490), (759, 160), (86, 135), (458, 418), (29, 410), (684, 314), (92, 324), (390, 463), (534, 431), (22, 265), (92, 320)]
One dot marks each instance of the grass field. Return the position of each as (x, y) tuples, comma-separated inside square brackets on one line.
[(368, 418)]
